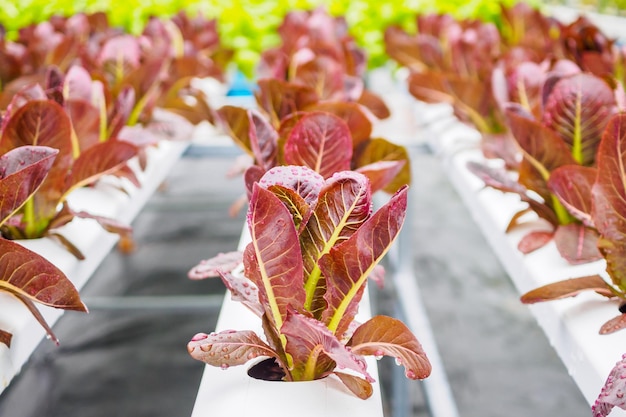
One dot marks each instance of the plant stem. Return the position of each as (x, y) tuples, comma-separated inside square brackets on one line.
[(562, 214), (29, 217), (341, 309), (309, 368), (577, 146), (310, 286)]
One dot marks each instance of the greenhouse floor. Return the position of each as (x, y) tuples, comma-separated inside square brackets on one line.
[(127, 358)]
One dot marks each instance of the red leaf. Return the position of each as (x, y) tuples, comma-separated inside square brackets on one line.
[(500, 179), (382, 173), (614, 325), (263, 140), (572, 185), (228, 348), (120, 112), (613, 392), (609, 199), (578, 109), (78, 84), (273, 260), (295, 203), (344, 205), (309, 341), (103, 158), (43, 123), (359, 124), (121, 49), (31, 278), (109, 224), (347, 266), (210, 268), (577, 243), (85, 120), (24, 272), (380, 150), (251, 176), (5, 338), (382, 335), (236, 123), (567, 288), (542, 147), (280, 98), (534, 240), (358, 386), (375, 104), (322, 74), (22, 170), (306, 182), (243, 290), (320, 141)]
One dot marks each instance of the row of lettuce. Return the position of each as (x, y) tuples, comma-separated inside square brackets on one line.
[(546, 96), (240, 26), (81, 99), (548, 100), (315, 238)]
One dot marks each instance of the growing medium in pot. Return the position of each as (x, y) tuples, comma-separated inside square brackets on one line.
[(314, 243)]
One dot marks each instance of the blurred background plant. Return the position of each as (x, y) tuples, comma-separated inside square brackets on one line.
[(602, 6), (239, 23)]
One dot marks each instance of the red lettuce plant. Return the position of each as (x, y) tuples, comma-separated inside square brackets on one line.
[(191, 49), (296, 128), (585, 44), (451, 61), (526, 27), (43, 121), (476, 67), (314, 243), (518, 79), (24, 274), (576, 110), (158, 65), (605, 212), (317, 52)]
